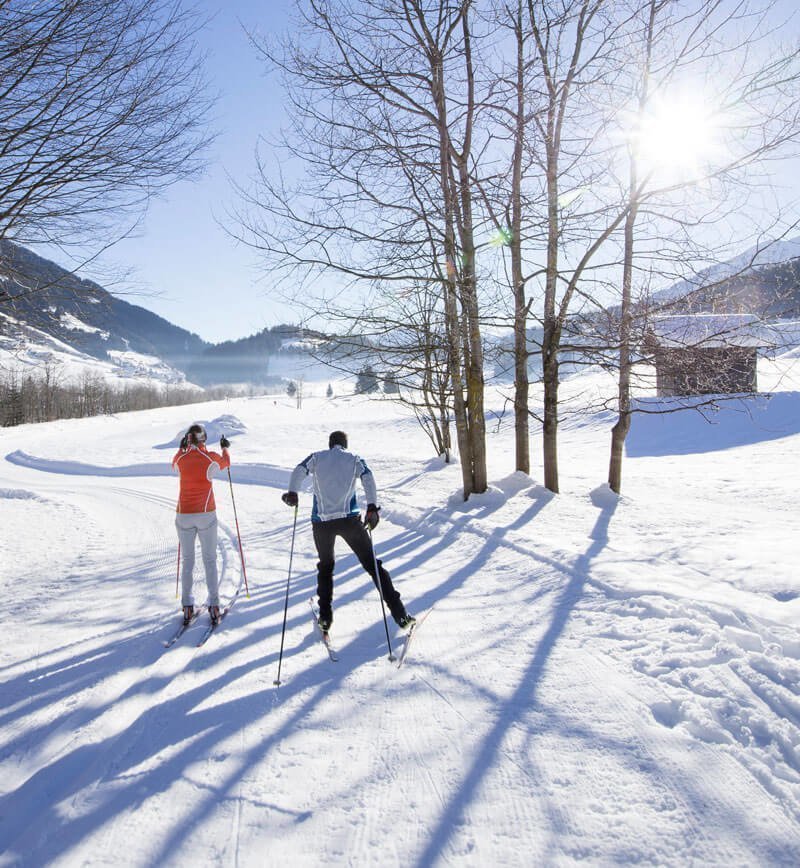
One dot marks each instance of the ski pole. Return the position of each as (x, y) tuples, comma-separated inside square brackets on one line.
[(380, 593), (238, 535), (277, 681), (178, 571)]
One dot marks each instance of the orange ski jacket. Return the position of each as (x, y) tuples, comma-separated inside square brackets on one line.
[(196, 466)]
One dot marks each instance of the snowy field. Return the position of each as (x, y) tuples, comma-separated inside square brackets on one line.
[(598, 680)]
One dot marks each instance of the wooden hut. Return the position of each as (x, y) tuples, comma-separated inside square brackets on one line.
[(701, 354)]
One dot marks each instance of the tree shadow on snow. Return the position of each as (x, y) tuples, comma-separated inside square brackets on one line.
[(111, 777), (525, 694), (105, 778)]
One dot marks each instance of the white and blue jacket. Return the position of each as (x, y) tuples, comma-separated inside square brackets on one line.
[(335, 472)]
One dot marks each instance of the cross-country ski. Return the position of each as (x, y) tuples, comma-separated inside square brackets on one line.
[(409, 636), (324, 635), (184, 626)]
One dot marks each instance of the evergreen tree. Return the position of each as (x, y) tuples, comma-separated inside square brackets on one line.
[(367, 381), (390, 385)]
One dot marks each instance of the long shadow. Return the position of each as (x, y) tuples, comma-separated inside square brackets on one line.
[(165, 751), (143, 739), (525, 694), (24, 811), (61, 678), (335, 675)]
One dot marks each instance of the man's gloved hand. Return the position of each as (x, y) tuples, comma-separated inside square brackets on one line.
[(371, 518), (185, 442), (289, 498), (224, 443)]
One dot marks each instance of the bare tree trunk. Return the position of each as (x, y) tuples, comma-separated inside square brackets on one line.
[(623, 424), (521, 382), (550, 425), (459, 406), (620, 430), (552, 330), (461, 308)]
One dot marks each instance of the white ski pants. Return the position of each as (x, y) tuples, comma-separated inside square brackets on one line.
[(191, 525)]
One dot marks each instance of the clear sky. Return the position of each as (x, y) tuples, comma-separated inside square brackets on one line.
[(186, 268)]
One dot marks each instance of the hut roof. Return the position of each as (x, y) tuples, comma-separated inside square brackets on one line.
[(706, 331)]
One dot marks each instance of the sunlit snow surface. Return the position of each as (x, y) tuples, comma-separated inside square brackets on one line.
[(601, 680)]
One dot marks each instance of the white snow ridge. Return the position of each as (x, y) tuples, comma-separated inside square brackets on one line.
[(599, 680)]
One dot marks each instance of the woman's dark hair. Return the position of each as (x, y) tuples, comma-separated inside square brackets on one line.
[(197, 434), (337, 438)]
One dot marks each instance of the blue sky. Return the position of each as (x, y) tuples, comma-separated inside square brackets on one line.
[(185, 267)]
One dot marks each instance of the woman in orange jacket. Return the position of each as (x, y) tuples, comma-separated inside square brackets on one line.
[(196, 514)]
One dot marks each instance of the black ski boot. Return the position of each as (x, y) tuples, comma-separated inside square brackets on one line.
[(406, 621)]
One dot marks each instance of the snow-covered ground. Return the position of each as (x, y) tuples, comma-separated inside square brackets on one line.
[(25, 350), (597, 680)]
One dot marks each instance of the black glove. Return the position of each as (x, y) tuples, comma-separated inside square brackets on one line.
[(289, 498), (224, 443), (185, 442), (372, 518)]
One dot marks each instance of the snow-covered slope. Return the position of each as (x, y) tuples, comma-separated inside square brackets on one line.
[(598, 680), (759, 257), (36, 293), (26, 350)]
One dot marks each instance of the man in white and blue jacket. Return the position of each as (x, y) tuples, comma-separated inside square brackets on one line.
[(335, 512)]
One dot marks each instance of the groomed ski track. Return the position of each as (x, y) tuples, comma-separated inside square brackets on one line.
[(543, 715)]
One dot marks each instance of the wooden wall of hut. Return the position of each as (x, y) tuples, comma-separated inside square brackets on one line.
[(704, 371)]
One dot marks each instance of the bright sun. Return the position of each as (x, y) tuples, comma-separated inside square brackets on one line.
[(678, 133)]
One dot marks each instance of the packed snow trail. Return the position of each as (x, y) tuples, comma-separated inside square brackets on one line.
[(583, 690)]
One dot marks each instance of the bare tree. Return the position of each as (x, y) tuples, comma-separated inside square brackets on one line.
[(405, 336), (102, 104), (752, 98), (384, 110)]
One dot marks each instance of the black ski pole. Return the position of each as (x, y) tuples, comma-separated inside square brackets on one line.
[(238, 535), (277, 681), (380, 593)]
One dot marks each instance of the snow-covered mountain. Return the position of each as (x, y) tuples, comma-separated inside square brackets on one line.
[(765, 279), (27, 350), (82, 313), (50, 314)]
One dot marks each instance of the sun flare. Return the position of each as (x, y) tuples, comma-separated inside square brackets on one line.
[(681, 133)]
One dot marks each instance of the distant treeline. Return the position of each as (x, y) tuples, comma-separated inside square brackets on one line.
[(246, 360), (29, 398)]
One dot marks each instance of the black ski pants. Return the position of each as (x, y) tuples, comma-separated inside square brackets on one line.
[(353, 532)]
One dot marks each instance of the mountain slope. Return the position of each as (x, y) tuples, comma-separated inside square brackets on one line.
[(38, 293), (762, 281)]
